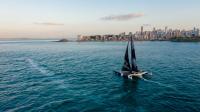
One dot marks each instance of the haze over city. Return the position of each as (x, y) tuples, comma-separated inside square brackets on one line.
[(69, 18)]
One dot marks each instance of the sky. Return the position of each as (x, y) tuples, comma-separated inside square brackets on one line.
[(69, 18)]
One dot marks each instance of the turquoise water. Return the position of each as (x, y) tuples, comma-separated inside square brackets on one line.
[(73, 77)]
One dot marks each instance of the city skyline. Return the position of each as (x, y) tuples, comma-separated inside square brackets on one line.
[(155, 34), (68, 18)]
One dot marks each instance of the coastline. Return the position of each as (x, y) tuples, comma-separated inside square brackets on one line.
[(197, 39), (145, 41), (185, 39), (174, 39)]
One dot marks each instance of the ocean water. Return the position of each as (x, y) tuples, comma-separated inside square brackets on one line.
[(78, 77)]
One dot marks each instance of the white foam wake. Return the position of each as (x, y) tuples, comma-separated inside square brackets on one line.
[(41, 69), (158, 83)]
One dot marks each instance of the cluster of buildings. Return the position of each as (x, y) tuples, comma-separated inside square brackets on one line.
[(166, 34), (155, 34)]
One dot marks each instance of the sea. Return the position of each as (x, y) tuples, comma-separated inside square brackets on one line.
[(47, 76)]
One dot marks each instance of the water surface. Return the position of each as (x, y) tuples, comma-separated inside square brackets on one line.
[(50, 76)]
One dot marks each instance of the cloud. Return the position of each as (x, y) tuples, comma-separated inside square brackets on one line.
[(123, 17), (49, 23)]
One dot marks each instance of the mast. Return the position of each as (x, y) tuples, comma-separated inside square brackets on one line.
[(131, 51)]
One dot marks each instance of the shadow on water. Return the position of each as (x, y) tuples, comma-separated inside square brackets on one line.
[(130, 85), (128, 99)]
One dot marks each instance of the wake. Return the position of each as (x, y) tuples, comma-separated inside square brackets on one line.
[(41, 69), (158, 83)]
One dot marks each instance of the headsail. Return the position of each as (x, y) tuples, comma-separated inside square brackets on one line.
[(133, 57), (126, 66)]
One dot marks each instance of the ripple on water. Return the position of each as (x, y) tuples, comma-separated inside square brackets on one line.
[(45, 76)]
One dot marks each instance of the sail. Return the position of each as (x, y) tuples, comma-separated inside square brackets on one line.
[(133, 57), (126, 66)]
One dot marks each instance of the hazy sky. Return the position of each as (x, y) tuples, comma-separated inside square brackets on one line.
[(68, 18)]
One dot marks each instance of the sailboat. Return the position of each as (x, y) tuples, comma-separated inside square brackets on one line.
[(130, 69)]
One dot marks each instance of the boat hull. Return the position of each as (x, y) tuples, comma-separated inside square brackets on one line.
[(131, 76)]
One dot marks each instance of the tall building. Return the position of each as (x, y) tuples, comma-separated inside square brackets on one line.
[(154, 29), (142, 29), (130, 34), (195, 32), (166, 29), (142, 33), (198, 32)]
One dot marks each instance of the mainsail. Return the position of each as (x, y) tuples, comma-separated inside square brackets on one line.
[(126, 66), (133, 57)]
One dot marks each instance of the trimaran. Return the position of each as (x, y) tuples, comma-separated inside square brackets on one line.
[(129, 69)]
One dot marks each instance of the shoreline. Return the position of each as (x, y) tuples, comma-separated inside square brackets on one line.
[(140, 41), (57, 41), (174, 39)]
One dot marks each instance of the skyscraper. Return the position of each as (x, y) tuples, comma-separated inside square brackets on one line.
[(166, 29), (197, 32), (142, 29), (154, 29)]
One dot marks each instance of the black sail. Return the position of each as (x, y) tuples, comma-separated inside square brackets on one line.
[(126, 66), (133, 57)]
